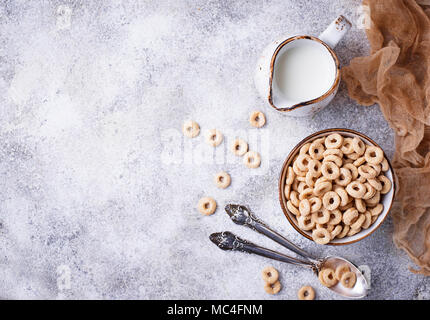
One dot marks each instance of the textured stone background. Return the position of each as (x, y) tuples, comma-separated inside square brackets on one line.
[(98, 185)]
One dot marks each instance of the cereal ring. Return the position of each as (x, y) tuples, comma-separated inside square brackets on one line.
[(214, 137), (353, 156), (376, 211), (310, 179), (374, 200), (239, 147), (293, 209), (305, 148), (356, 189), (359, 161), (190, 129), (290, 176), (344, 178), (348, 279), (302, 187), (375, 183), (335, 152), (270, 275), (328, 227), (321, 179), (353, 232), (303, 162), (374, 218), (347, 160), (344, 232), (322, 187), (314, 168), (336, 231), (370, 191), (335, 217), (374, 155), (349, 216), (297, 171), (346, 207), (272, 288), (367, 171), (333, 141), (384, 165), (206, 206), (340, 270), (330, 170), (344, 198), (321, 236), (306, 223), (333, 158), (366, 224), (353, 169), (358, 146), (360, 205), (306, 193), (222, 180), (316, 151), (257, 119), (304, 207), (321, 217), (315, 203), (294, 197), (295, 185), (301, 179), (327, 277), (347, 147), (287, 191), (252, 159), (306, 293), (331, 200), (386, 184), (359, 222), (377, 168)]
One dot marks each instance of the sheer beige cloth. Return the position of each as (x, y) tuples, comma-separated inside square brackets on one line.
[(397, 76)]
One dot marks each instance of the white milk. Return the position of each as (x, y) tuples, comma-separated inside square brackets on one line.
[(304, 72)]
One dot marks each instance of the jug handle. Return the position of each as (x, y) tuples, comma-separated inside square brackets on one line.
[(335, 31)]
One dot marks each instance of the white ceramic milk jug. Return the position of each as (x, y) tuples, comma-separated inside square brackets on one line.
[(300, 75)]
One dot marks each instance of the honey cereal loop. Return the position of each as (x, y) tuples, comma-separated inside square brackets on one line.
[(239, 147), (293, 209), (356, 189), (306, 293), (207, 206), (214, 137), (304, 207), (306, 223), (327, 277), (257, 119), (222, 180), (270, 275), (349, 216), (374, 155), (252, 159), (348, 279), (330, 170), (272, 288), (290, 176), (321, 236), (340, 270), (333, 141), (386, 184), (331, 200), (358, 146), (347, 147), (316, 150), (190, 129)]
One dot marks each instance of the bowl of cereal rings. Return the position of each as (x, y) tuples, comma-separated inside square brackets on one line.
[(336, 187)]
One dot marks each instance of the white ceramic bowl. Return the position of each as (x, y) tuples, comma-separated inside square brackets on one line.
[(386, 200)]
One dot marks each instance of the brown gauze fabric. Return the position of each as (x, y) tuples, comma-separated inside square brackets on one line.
[(397, 76)]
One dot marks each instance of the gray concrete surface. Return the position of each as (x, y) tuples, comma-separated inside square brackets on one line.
[(98, 187)]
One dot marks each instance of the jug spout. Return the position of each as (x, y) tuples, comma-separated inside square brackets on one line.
[(335, 31)]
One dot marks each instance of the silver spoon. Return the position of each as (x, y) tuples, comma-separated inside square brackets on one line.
[(242, 216)]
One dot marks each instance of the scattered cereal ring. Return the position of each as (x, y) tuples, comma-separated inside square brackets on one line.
[(272, 288), (321, 236), (347, 147), (206, 206), (348, 279), (374, 155), (190, 129), (222, 180), (349, 216), (316, 151), (358, 146), (270, 275), (252, 159), (356, 189), (257, 119), (386, 184), (344, 178), (239, 147), (214, 137), (340, 270), (333, 141), (327, 278), (306, 293), (331, 200), (306, 223)]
